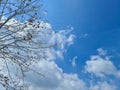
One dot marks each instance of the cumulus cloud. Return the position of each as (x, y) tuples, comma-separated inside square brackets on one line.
[(101, 66), (103, 86), (52, 75), (52, 43), (71, 82), (52, 46), (54, 78)]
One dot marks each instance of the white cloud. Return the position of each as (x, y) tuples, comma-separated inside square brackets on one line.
[(44, 36), (58, 80), (62, 38), (55, 42), (54, 78), (100, 66), (71, 82), (52, 75), (101, 51), (83, 35), (74, 61), (103, 86)]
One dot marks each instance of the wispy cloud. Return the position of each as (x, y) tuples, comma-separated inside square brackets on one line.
[(74, 61), (101, 51), (83, 35)]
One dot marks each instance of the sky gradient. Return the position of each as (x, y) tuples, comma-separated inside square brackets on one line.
[(74, 46), (96, 26)]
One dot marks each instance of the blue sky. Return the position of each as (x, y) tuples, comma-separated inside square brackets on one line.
[(96, 25), (98, 19), (86, 58)]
